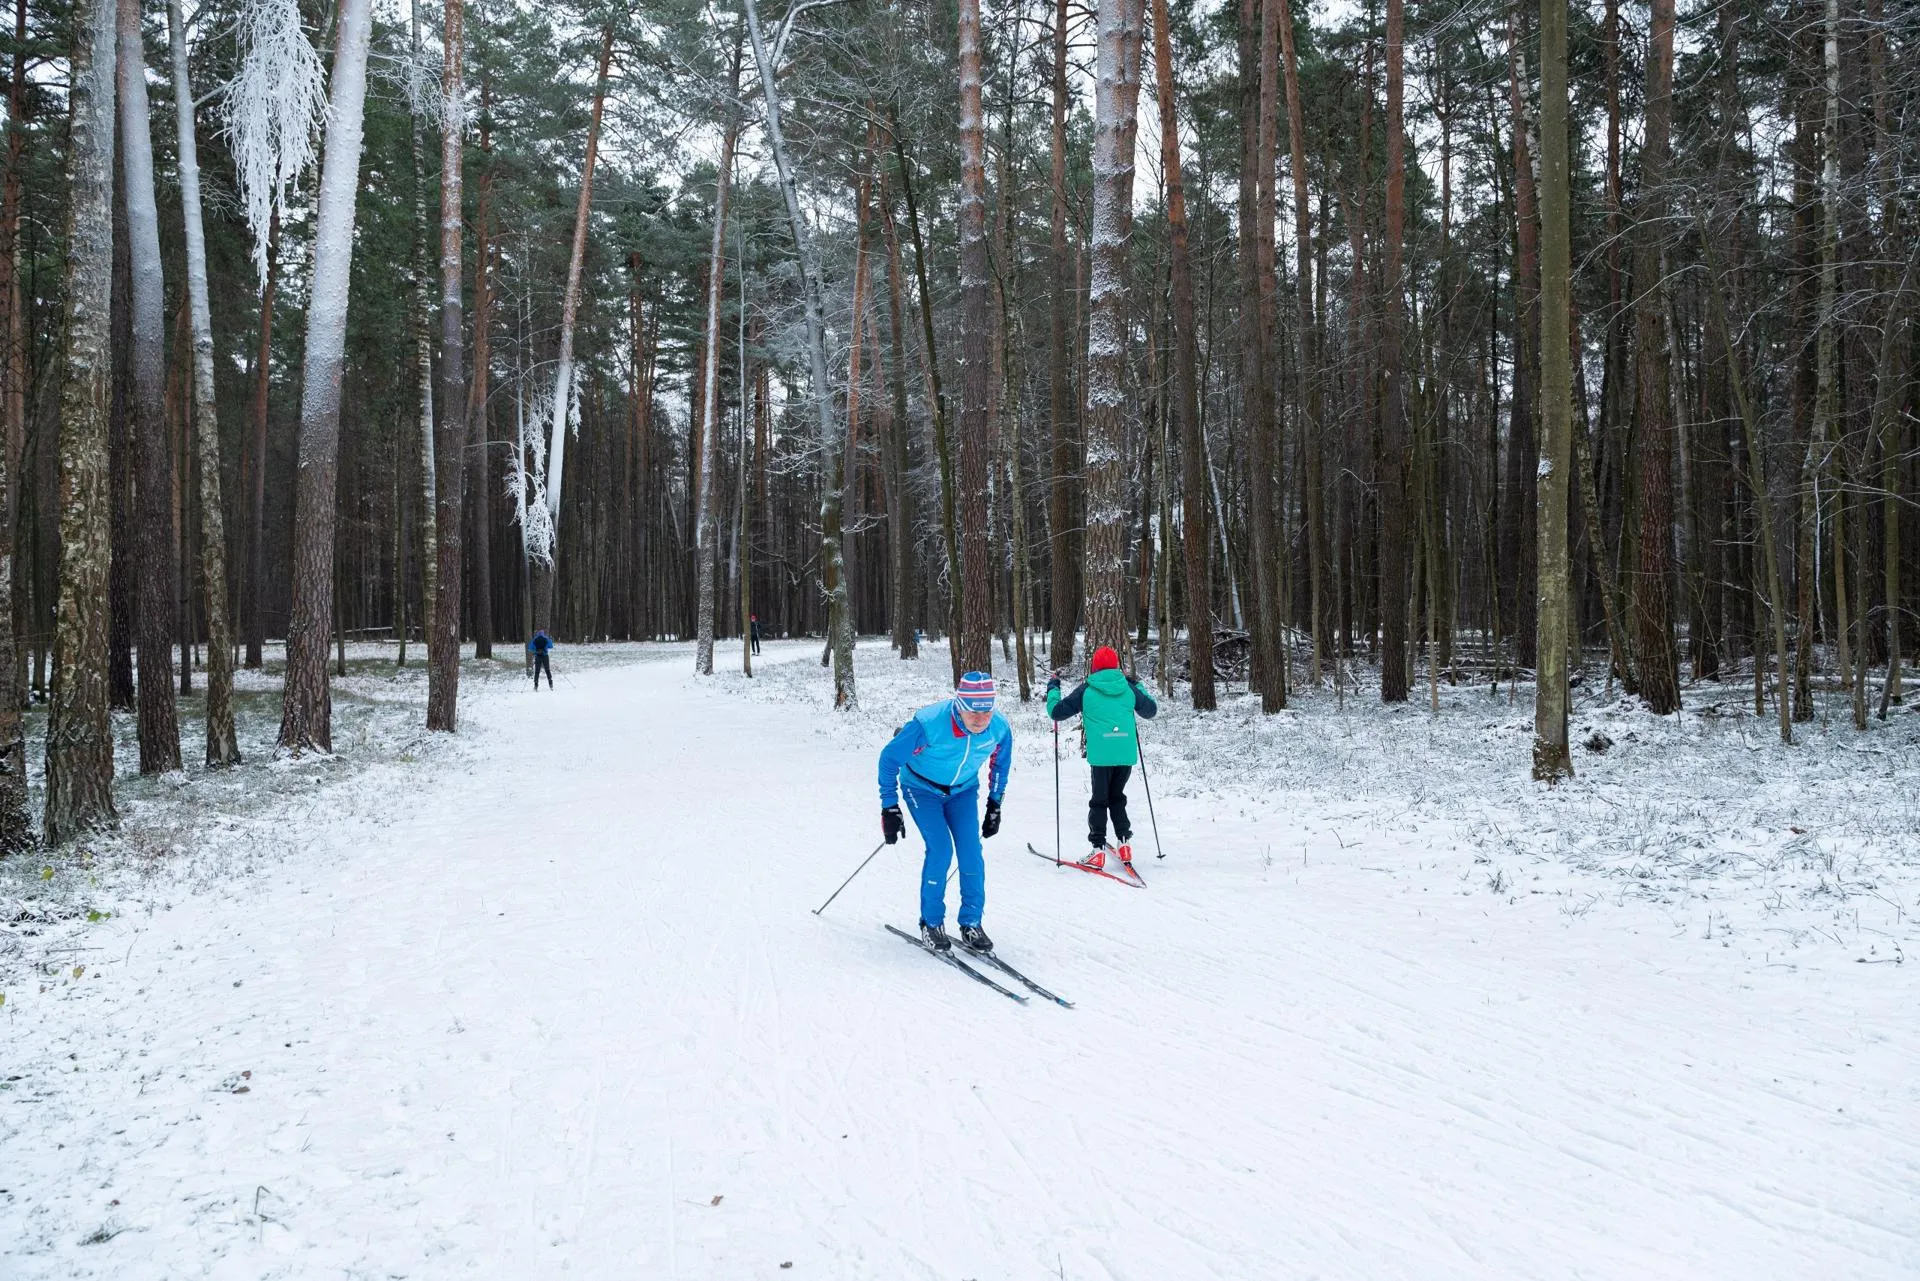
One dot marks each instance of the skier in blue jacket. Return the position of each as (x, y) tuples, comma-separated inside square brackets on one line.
[(934, 762)]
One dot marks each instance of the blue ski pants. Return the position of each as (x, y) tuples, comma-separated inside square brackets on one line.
[(950, 825)]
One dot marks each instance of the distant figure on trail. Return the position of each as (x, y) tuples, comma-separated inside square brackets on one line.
[(1106, 703), (540, 646), (935, 759), (753, 631)]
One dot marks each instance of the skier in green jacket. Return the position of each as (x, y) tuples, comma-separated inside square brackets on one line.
[(1106, 704)]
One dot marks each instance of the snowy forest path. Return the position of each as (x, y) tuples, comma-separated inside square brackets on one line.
[(565, 1009)]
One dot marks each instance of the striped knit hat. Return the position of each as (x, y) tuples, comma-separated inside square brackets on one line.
[(974, 693)]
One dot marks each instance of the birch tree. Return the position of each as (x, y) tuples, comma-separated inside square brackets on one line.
[(806, 264), (542, 535), (707, 429), (159, 721), (222, 746)]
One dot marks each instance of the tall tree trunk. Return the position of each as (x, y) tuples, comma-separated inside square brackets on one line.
[(1518, 540), (1309, 354), (420, 327), (1116, 92), (931, 357), (1551, 760), (159, 721), (450, 451), (16, 823), (975, 586), (479, 415), (900, 493), (1655, 661), (807, 265), (545, 560), (704, 522), (1395, 537), (306, 719), (1063, 513), (222, 747), (256, 566), (79, 739), (1197, 554), (1256, 366)]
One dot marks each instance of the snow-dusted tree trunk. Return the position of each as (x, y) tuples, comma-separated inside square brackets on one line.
[(545, 557), (1310, 382), (16, 824), (222, 747), (1115, 97), (976, 584), (79, 738), (704, 524), (479, 419), (450, 455), (806, 263), (421, 326), (1551, 760), (1186, 379), (159, 721), (1655, 662), (306, 718), (1396, 536)]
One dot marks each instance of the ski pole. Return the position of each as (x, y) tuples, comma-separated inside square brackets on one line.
[(843, 885), (1056, 792), (1154, 818)]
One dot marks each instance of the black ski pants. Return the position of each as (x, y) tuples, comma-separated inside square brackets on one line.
[(1109, 797), (542, 663)]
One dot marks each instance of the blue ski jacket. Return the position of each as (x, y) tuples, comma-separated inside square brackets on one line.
[(934, 753)]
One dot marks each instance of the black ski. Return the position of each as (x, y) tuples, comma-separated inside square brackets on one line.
[(993, 959), (957, 964)]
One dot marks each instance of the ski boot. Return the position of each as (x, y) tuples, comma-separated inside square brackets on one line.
[(935, 938), (1096, 860), (975, 939), (1126, 857)]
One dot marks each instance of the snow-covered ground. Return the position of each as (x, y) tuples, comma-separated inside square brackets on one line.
[(549, 999)]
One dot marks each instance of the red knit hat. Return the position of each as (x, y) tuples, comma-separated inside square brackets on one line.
[(1103, 658)]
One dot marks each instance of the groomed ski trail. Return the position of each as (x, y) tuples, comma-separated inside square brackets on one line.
[(565, 1011)]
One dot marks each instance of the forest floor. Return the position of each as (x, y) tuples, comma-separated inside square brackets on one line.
[(547, 998)]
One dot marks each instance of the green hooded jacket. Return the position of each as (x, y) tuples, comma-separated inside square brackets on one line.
[(1106, 705)]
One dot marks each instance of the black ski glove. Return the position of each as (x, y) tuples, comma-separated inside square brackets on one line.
[(892, 825), (991, 823), (1053, 683)]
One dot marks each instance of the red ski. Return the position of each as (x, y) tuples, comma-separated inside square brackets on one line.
[(1137, 881)]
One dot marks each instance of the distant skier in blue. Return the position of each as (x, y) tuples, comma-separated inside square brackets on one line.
[(540, 646), (935, 761)]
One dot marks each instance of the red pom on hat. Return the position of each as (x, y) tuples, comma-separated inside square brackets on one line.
[(1103, 658)]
